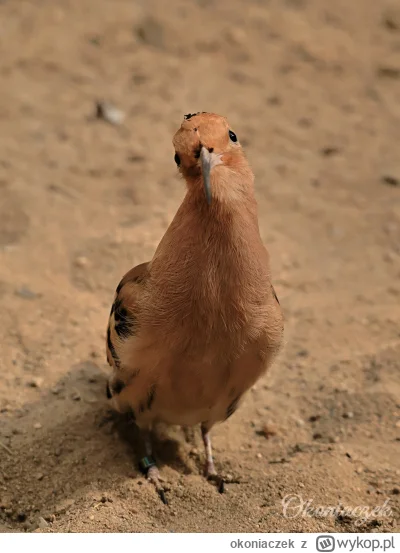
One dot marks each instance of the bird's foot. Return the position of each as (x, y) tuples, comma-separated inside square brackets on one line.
[(150, 469), (212, 476)]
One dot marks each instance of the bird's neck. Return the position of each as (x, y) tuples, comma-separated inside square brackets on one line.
[(211, 268)]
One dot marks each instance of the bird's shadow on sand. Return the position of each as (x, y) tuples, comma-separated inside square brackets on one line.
[(79, 443), (166, 449)]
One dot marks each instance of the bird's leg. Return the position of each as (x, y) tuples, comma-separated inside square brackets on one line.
[(149, 467), (209, 470)]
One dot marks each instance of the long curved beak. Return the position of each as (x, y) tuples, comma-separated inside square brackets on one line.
[(208, 160)]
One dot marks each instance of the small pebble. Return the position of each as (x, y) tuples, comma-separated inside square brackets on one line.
[(75, 396), (348, 415), (109, 113), (269, 430), (236, 35), (36, 382), (26, 293), (42, 523), (81, 261), (391, 181), (40, 476), (37, 425), (259, 456), (330, 151), (391, 17)]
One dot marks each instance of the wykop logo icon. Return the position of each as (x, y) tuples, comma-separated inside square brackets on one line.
[(325, 543)]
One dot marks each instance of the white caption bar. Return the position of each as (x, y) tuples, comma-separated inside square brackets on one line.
[(202, 543)]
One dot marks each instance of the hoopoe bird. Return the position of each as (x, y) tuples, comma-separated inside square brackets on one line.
[(194, 328)]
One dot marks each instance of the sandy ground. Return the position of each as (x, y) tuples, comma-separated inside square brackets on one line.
[(312, 88)]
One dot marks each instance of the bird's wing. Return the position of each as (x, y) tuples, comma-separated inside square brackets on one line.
[(123, 320)]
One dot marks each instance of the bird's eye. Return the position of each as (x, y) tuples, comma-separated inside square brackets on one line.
[(177, 159), (232, 136)]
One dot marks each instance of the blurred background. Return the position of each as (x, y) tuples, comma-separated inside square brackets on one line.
[(91, 93)]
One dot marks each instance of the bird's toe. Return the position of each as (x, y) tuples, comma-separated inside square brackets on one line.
[(150, 469), (218, 480)]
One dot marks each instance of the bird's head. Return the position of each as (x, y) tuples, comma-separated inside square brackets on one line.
[(208, 153)]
